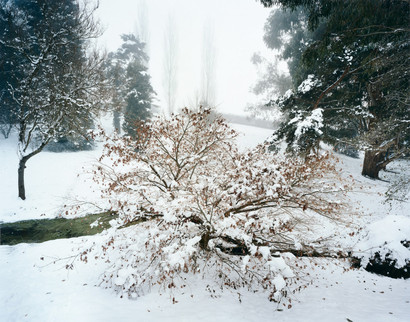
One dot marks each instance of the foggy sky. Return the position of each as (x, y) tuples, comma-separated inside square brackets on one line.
[(237, 29)]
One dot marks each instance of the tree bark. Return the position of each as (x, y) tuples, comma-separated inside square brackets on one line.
[(22, 167), (21, 186), (372, 164)]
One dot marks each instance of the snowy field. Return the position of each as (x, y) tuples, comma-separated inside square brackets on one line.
[(36, 286)]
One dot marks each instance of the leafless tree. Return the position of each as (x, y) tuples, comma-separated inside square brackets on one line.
[(208, 79), (170, 64), (142, 24), (59, 82)]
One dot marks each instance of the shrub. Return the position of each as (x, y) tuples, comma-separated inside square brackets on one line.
[(205, 207)]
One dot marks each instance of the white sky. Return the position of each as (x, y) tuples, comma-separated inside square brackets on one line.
[(238, 31)]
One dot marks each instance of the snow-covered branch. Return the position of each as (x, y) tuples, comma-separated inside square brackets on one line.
[(206, 203)]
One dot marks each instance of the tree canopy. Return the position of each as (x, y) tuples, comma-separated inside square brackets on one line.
[(133, 93), (349, 65), (52, 84)]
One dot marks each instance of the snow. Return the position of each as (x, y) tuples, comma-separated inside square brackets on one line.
[(314, 122), (52, 180), (250, 136), (384, 236), (308, 84), (32, 289), (36, 286)]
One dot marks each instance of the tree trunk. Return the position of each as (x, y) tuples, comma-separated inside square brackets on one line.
[(21, 186), (372, 164), (203, 243), (22, 164)]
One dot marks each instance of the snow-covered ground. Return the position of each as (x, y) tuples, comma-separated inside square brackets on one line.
[(57, 179), (36, 286)]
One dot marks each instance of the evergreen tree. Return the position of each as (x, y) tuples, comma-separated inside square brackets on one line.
[(133, 93), (352, 71), (12, 23), (139, 96)]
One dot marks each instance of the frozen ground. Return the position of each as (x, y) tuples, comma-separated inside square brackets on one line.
[(36, 286), (35, 289)]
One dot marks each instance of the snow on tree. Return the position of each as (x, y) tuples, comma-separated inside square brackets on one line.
[(7, 117), (55, 83), (193, 204), (357, 52), (132, 92)]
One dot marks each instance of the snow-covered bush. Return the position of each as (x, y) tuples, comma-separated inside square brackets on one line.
[(384, 247), (203, 207)]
